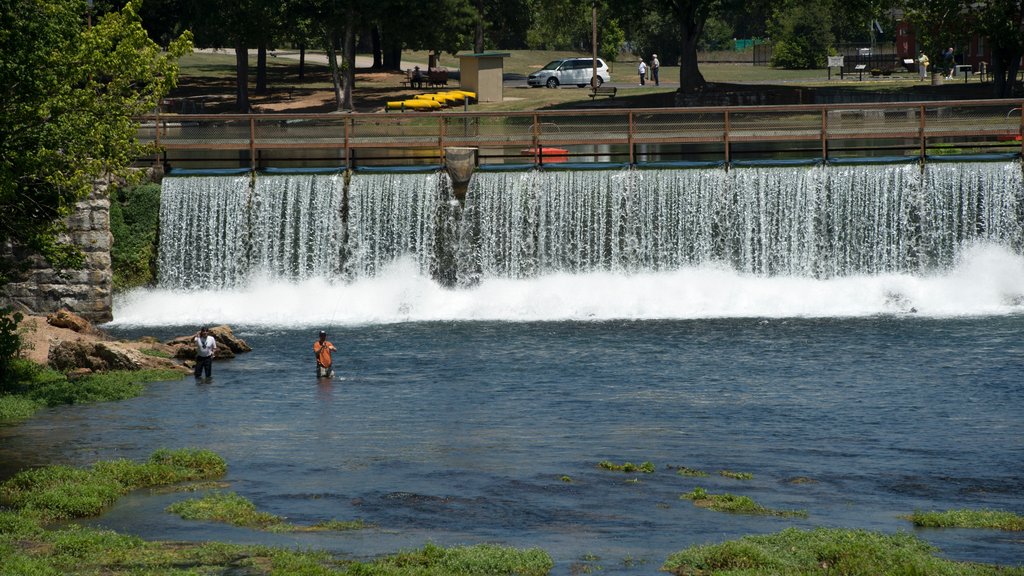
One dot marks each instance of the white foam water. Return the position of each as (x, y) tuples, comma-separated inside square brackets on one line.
[(988, 279)]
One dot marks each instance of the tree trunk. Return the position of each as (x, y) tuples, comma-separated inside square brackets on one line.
[(349, 53), (261, 69), (241, 77), (302, 61), (690, 78), (378, 52), (332, 61), (393, 58), (478, 35)]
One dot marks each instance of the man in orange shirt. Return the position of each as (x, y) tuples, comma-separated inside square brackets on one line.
[(322, 351)]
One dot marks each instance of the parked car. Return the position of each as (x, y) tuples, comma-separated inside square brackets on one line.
[(576, 71)]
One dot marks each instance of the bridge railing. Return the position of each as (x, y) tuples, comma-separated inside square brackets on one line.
[(809, 132)]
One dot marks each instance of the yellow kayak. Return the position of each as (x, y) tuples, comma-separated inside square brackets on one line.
[(413, 104), (445, 98)]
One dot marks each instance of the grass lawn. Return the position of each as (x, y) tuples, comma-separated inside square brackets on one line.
[(207, 84)]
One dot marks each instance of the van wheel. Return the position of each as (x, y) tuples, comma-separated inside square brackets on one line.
[(552, 82), (599, 81), (581, 85)]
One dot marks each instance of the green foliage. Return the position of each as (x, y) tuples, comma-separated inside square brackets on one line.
[(691, 472), (482, 559), (735, 475), (995, 519), (567, 25), (70, 93), (736, 504), (802, 35), (10, 345), (230, 508), (646, 467), (62, 492), (227, 507), (823, 551), (134, 223), (15, 408)]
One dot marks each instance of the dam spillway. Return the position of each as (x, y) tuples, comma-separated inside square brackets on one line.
[(819, 221)]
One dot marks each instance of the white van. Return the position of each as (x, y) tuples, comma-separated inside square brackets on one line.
[(576, 71)]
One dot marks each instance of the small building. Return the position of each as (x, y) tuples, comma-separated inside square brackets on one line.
[(483, 73)]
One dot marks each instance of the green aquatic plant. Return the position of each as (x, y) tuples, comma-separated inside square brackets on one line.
[(226, 507), (62, 492), (994, 519), (736, 504), (231, 508), (735, 475), (38, 386), (646, 467), (691, 472), (32, 498), (824, 551), (566, 478)]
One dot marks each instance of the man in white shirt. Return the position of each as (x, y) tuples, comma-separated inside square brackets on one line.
[(206, 347), (642, 69)]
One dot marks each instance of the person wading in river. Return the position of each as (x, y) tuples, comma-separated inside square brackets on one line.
[(206, 347), (322, 351)]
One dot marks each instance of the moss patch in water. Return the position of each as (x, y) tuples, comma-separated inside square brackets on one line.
[(736, 504), (993, 519), (62, 492), (824, 551), (736, 475), (231, 508), (646, 467)]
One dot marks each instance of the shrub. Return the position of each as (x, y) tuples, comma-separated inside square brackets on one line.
[(134, 223), (10, 345)]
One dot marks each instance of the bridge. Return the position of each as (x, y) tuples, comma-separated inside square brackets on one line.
[(626, 136)]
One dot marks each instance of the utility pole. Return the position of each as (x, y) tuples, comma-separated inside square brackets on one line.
[(593, 42)]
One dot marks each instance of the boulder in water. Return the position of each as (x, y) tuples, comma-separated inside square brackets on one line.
[(227, 344), (100, 356)]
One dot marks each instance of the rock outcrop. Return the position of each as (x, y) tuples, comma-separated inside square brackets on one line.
[(103, 356), (88, 291), (227, 344)]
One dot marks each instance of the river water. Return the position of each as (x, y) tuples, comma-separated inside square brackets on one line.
[(459, 430), (850, 336)]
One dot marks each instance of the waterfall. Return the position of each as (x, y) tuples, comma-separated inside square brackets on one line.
[(297, 226), (812, 221), (393, 215), (204, 231), (809, 221)]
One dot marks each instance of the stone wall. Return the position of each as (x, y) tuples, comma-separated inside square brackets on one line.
[(86, 292)]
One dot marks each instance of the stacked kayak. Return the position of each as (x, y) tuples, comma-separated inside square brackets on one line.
[(432, 101)]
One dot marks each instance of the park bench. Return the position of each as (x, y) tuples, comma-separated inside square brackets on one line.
[(608, 91), (437, 78)]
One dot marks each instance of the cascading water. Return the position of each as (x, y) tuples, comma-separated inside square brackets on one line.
[(393, 215), (204, 231), (297, 225), (821, 221), (808, 221)]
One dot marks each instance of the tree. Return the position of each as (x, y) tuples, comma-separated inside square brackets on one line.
[(691, 16), (802, 34), (69, 94), (1002, 23), (938, 24)]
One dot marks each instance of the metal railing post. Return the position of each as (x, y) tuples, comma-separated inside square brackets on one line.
[(923, 138), (824, 135), (629, 139), (252, 142), (725, 137)]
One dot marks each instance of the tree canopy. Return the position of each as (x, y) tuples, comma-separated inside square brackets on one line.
[(69, 93)]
